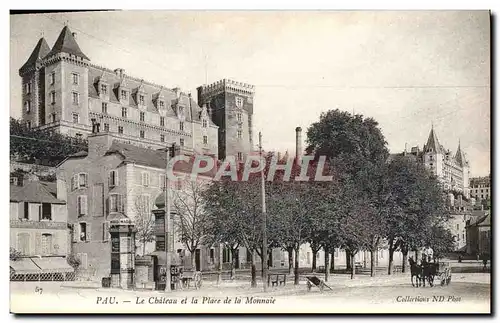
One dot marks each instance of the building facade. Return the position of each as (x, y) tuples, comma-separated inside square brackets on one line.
[(38, 229), (480, 188), (452, 170), (64, 92), (479, 234), (230, 105)]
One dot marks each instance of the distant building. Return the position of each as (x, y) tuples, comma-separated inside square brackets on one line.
[(480, 188), (452, 170), (64, 92), (38, 229)]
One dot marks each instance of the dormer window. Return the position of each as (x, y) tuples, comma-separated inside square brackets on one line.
[(161, 104), (104, 89), (123, 95), (181, 110), (141, 99), (205, 123)]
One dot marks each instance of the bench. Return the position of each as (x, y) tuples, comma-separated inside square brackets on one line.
[(276, 279), (315, 281)]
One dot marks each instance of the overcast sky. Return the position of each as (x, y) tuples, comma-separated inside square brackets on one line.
[(405, 69)]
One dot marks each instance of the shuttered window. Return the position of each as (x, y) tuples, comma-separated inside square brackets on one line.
[(82, 205)]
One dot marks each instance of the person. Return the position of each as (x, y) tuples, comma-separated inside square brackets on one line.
[(428, 253)]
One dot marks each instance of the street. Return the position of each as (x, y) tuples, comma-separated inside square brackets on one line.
[(466, 293)]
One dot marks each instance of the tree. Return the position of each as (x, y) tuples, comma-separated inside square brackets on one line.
[(144, 221), (41, 146), (191, 218)]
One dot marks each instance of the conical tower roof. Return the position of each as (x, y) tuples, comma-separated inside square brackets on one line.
[(40, 51), (433, 144), (66, 43), (460, 156)]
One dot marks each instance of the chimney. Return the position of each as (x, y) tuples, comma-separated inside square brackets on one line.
[(74, 35), (298, 143), (99, 143)]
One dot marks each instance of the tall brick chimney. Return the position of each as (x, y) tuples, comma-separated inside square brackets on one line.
[(298, 143)]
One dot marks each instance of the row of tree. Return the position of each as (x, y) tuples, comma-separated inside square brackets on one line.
[(373, 199)]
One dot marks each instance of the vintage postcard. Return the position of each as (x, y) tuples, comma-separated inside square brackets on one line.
[(250, 162)]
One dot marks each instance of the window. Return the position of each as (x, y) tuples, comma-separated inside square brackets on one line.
[(75, 118), (141, 116), (181, 110), (46, 244), (181, 141), (46, 211), (28, 88), (240, 156), (115, 203), (212, 255), (145, 178), (239, 102), (181, 126), (160, 243), (141, 99), (204, 123), (123, 94), (124, 112), (162, 138), (28, 124), (162, 121), (162, 104), (162, 181), (430, 157), (75, 78), (53, 97), (27, 106), (144, 204), (53, 117), (104, 107), (106, 127), (120, 129), (76, 97), (84, 232), (105, 231), (104, 89), (26, 211), (239, 134), (113, 178), (82, 205), (52, 78), (141, 133), (239, 117), (205, 140), (82, 180), (458, 226)]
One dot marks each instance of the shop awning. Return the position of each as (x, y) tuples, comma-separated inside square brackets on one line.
[(24, 266), (53, 265)]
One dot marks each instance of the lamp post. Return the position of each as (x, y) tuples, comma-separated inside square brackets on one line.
[(168, 287), (264, 220)]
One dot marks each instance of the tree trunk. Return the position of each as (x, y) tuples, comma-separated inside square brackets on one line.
[(296, 268), (405, 259), (416, 255), (290, 259), (373, 253), (314, 254), (233, 264), (254, 273), (219, 266), (144, 248), (193, 260), (348, 260), (353, 265), (391, 257), (327, 264), (332, 261)]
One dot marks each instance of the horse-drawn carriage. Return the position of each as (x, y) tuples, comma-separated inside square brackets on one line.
[(428, 272)]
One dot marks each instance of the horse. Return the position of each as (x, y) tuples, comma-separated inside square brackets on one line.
[(429, 271), (416, 271)]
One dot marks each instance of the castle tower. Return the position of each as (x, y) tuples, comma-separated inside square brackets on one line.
[(230, 105), (33, 93), (434, 155), (461, 161), (66, 85)]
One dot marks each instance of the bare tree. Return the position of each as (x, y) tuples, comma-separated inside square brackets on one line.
[(144, 221), (192, 222)]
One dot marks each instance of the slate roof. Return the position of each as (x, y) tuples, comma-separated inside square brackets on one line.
[(32, 191), (433, 143), (66, 43), (41, 50), (460, 156), (151, 92)]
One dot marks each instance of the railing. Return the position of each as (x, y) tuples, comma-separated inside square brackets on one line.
[(38, 224), (43, 277)]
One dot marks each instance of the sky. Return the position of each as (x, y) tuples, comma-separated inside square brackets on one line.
[(407, 70)]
